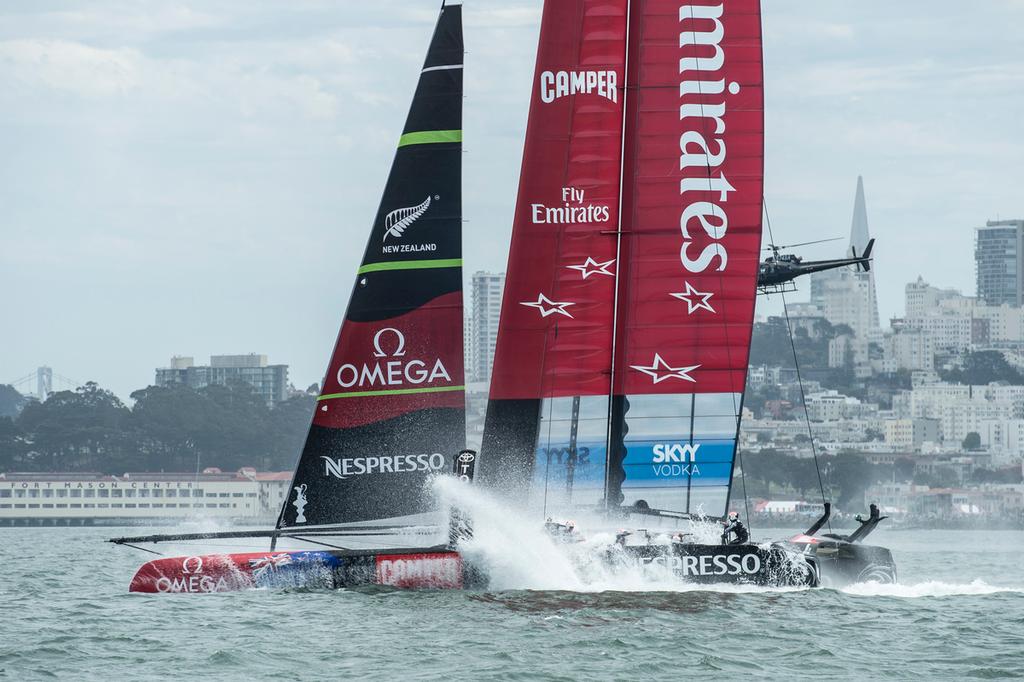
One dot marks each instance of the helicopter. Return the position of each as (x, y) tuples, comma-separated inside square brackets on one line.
[(780, 269)]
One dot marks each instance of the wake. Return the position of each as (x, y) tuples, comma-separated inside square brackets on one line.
[(930, 588)]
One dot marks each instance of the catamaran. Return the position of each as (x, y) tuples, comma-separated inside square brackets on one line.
[(391, 413), (624, 337)]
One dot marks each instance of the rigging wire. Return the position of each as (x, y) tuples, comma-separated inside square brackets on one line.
[(799, 378), (551, 407), (743, 481)]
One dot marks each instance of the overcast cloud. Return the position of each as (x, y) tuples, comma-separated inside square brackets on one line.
[(199, 177)]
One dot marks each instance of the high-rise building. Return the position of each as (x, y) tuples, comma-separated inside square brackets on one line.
[(999, 262), (269, 381), (486, 291)]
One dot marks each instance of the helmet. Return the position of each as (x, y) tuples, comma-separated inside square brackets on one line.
[(734, 516)]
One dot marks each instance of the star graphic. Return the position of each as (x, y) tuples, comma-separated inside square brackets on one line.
[(548, 307), (592, 267), (660, 370), (702, 303)]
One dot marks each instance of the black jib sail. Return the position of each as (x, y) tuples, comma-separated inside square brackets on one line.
[(392, 408)]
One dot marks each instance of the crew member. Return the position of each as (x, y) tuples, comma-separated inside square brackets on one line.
[(734, 527), (563, 532)]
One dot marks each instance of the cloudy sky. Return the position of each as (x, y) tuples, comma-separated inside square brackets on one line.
[(197, 177)]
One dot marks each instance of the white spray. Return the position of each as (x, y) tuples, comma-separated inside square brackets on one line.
[(517, 554)]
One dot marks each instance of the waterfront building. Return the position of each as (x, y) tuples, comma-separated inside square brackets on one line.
[(997, 501), (140, 498), (999, 262), (269, 381)]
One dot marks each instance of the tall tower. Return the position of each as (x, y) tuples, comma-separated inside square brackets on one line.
[(844, 295), (859, 237), (44, 383)]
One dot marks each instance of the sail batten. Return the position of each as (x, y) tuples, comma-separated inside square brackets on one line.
[(391, 412)]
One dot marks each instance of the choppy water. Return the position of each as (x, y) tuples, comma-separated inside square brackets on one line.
[(958, 613)]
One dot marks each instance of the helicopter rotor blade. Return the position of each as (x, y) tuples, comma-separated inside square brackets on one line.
[(773, 247)]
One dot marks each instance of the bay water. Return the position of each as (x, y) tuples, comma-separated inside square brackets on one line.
[(956, 613)]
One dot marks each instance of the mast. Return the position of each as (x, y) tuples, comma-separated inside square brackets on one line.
[(391, 412), (611, 437)]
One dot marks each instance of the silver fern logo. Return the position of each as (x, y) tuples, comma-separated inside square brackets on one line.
[(399, 220)]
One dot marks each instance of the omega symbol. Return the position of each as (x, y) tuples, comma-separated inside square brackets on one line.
[(399, 351)]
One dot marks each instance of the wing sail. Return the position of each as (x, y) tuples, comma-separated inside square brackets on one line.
[(392, 410)]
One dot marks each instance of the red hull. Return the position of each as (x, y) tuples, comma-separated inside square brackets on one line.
[(231, 572)]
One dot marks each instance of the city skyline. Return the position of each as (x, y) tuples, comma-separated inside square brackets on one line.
[(171, 170)]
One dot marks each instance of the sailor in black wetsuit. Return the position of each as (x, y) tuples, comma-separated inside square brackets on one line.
[(733, 526)]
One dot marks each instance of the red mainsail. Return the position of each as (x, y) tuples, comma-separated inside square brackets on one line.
[(556, 327), (684, 264), (556, 324)]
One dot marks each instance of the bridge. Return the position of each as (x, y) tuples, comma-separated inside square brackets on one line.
[(42, 381)]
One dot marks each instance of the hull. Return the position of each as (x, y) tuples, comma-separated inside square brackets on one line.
[(841, 563), (765, 565), (436, 568), (802, 561)]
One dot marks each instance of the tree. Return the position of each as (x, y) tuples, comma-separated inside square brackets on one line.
[(289, 423), (224, 426), (12, 445), (972, 441), (11, 401), (81, 430), (904, 468), (169, 422), (852, 474), (984, 367)]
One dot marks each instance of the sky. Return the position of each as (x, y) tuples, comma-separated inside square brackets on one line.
[(199, 177)]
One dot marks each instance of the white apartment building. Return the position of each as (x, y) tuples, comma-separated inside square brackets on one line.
[(87, 499), (948, 329), (846, 297), (908, 349), (961, 409), (1004, 438), (834, 406), (911, 434), (922, 298), (959, 322), (486, 290)]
